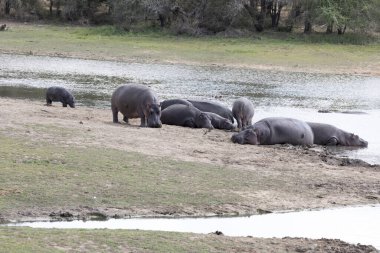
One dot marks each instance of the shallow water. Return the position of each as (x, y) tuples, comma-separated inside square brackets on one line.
[(351, 224), (274, 93)]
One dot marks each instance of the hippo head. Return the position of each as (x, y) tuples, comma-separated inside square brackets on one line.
[(71, 102), (354, 140), (247, 136), (153, 116), (203, 121), (226, 124)]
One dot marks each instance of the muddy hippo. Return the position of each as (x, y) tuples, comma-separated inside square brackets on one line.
[(59, 94), (243, 111), (166, 103), (208, 106), (325, 134), (185, 115), (276, 130), (219, 122), (136, 101)]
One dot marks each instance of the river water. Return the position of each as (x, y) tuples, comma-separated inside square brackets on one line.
[(274, 93), (350, 224)]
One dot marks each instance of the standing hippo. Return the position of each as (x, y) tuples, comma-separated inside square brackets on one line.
[(59, 94), (187, 116), (243, 111), (325, 134), (276, 130), (208, 106), (136, 101), (166, 103), (219, 122)]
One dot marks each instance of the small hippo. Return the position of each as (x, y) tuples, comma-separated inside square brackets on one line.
[(276, 130), (325, 134), (59, 94), (168, 102), (243, 111), (136, 101), (219, 122), (186, 116), (208, 106)]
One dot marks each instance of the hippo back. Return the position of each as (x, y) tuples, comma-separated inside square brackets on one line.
[(168, 102), (279, 130), (211, 106)]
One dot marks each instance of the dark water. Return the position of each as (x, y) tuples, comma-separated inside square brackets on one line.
[(350, 224), (274, 93)]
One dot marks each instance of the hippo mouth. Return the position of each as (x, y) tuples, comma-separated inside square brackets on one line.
[(364, 143)]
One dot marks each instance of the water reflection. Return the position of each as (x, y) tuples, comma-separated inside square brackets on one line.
[(351, 224)]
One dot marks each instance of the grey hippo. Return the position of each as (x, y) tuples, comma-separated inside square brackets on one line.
[(186, 116), (168, 102), (219, 122), (210, 106), (136, 101), (59, 94), (243, 111), (276, 130), (325, 134)]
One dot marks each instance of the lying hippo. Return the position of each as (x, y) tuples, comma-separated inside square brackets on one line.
[(276, 130), (325, 134), (243, 111), (208, 106), (166, 103), (187, 116), (136, 101), (219, 122), (59, 94)]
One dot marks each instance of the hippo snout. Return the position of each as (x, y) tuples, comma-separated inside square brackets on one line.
[(237, 139), (364, 143), (156, 125)]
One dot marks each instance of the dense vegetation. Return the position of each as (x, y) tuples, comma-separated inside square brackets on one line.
[(198, 17)]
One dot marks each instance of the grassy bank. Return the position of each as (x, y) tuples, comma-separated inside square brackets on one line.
[(45, 177), (101, 240), (294, 52)]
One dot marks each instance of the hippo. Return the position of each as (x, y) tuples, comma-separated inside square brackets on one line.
[(185, 115), (166, 103), (59, 94), (136, 101), (276, 130), (219, 122), (243, 111), (329, 135), (208, 106)]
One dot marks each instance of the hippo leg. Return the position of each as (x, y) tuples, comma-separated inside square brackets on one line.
[(239, 123), (332, 142), (114, 115), (143, 122), (125, 119), (48, 102)]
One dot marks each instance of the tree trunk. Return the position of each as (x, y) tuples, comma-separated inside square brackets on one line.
[(329, 28), (307, 28), (58, 8), (51, 7), (7, 7), (341, 30)]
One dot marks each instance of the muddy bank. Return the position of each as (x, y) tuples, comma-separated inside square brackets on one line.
[(288, 178)]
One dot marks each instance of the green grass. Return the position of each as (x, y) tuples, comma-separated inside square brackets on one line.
[(107, 42), (101, 240), (42, 178)]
